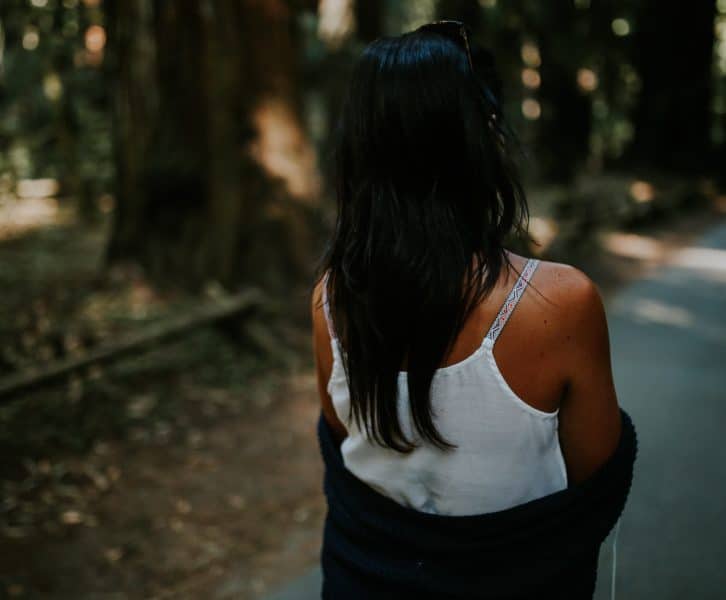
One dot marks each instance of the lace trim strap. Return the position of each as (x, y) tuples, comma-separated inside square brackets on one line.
[(512, 299)]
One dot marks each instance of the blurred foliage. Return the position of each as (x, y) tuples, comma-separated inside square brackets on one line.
[(574, 71), (53, 100)]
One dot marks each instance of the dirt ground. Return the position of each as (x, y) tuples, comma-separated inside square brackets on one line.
[(189, 469), (168, 476), (225, 511)]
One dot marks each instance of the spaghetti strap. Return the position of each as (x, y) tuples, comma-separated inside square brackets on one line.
[(326, 307), (512, 299)]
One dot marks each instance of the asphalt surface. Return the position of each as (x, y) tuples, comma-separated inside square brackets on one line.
[(668, 335), (668, 346)]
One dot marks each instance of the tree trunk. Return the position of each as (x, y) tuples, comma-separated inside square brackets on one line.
[(673, 56), (216, 177)]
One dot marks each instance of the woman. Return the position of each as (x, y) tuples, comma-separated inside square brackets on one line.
[(451, 441)]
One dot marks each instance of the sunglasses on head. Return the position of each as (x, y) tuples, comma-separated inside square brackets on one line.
[(459, 33), (455, 30)]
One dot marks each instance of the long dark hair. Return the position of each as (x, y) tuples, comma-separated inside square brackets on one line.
[(427, 194)]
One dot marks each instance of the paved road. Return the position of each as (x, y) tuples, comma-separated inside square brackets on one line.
[(668, 335)]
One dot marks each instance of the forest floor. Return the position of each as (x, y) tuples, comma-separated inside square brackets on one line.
[(188, 470)]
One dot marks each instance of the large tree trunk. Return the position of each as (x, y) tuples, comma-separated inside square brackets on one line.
[(673, 55), (216, 178)]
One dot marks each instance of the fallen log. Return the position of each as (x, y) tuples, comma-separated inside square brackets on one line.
[(154, 333)]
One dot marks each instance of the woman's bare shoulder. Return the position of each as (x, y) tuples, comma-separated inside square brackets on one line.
[(589, 419), (567, 290), (564, 280), (576, 296), (570, 303)]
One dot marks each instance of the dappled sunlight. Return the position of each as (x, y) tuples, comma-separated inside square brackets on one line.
[(32, 206), (37, 188), (620, 27), (632, 245), (531, 109), (530, 55), (544, 231), (52, 87), (531, 78), (710, 261), (31, 38), (642, 191), (95, 38), (654, 311), (95, 42), (587, 80), (18, 217), (284, 150), (336, 22), (671, 310)]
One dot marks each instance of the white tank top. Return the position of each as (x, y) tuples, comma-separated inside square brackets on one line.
[(509, 451)]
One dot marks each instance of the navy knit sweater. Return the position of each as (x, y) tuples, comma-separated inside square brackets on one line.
[(375, 548)]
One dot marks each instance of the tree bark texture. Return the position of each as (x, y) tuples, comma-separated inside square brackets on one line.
[(216, 179)]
